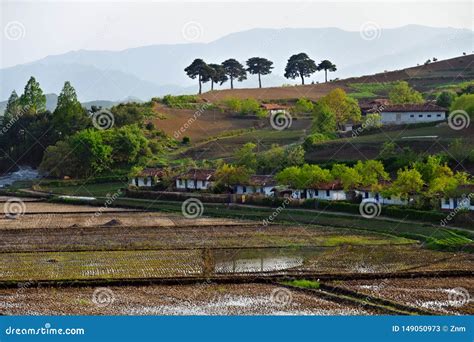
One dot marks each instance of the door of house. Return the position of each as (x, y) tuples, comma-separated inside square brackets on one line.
[(399, 117)]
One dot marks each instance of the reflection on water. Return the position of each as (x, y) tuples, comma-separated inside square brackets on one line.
[(261, 259), (24, 173)]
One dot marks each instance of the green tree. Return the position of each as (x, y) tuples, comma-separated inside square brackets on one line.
[(464, 102), (342, 106), (92, 154), (234, 70), (198, 68), (259, 66), (128, 143), (445, 99), (69, 116), (402, 93), (33, 100), (324, 120), (300, 65), (303, 106), (408, 182), (371, 173), (326, 66), (246, 156), (218, 75), (349, 177), (13, 107), (230, 175), (303, 177)]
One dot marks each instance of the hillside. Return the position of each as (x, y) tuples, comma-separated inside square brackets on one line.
[(423, 78)]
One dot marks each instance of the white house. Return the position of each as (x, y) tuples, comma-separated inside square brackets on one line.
[(257, 184), (147, 178), (331, 191), (274, 108), (368, 195), (195, 179), (464, 201), (410, 113)]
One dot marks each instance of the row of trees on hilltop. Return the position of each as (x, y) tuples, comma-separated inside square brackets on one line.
[(298, 66)]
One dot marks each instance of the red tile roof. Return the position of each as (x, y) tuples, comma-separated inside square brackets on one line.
[(262, 180), (151, 172), (272, 106), (198, 174), (335, 185), (412, 107)]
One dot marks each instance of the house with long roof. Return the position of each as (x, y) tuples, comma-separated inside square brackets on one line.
[(195, 179)]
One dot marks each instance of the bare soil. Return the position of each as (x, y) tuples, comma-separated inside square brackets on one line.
[(447, 296), (200, 299)]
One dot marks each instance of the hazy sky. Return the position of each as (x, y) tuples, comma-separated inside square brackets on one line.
[(35, 29)]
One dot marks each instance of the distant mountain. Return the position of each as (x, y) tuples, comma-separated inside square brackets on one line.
[(52, 100), (156, 70)]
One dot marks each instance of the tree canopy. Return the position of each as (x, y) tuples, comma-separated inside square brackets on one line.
[(33, 100), (198, 68), (234, 70), (326, 65), (259, 66), (402, 93), (300, 65)]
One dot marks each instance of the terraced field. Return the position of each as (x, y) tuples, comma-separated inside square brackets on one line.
[(83, 245)]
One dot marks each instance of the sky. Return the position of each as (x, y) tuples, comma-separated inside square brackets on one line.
[(32, 30)]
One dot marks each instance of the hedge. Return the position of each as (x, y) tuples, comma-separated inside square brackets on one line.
[(177, 196)]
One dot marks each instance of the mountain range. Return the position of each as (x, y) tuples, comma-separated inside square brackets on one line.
[(157, 70)]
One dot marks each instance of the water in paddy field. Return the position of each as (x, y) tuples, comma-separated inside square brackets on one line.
[(261, 259), (23, 174)]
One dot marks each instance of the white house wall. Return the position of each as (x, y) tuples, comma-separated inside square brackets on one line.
[(411, 117), (461, 203)]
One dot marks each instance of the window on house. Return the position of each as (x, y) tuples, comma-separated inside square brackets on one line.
[(438, 115), (389, 198), (412, 115), (446, 201), (366, 195), (244, 189), (420, 115), (429, 115), (328, 193)]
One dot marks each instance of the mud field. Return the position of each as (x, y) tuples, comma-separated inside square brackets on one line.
[(446, 296), (68, 244), (199, 299)]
